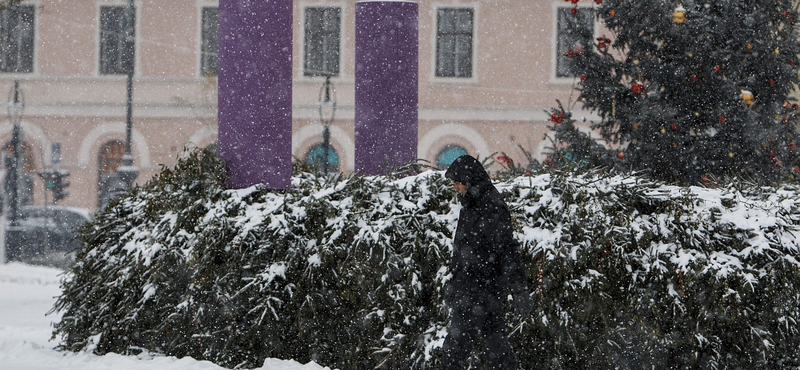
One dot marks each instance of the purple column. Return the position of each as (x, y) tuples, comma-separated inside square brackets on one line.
[(255, 91), (386, 84)]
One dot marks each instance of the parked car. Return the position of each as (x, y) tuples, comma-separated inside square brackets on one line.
[(45, 234)]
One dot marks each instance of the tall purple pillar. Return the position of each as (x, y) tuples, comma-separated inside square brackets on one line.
[(386, 84), (255, 91)]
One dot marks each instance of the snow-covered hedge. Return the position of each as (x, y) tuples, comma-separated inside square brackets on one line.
[(350, 272)]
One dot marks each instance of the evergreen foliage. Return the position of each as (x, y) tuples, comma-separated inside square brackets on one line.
[(350, 272), (671, 94)]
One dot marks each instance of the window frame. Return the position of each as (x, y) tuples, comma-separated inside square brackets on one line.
[(434, 58), (33, 39), (100, 31), (304, 46), (202, 41), (557, 46)]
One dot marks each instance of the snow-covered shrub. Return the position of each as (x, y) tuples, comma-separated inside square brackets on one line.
[(350, 272)]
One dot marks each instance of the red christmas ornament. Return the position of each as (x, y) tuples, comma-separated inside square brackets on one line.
[(792, 63), (573, 11), (776, 160), (718, 69), (722, 118), (598, 2), (674, 126), (794, 106), (583, 78), (694, 78), (612, 13), (796, 169), (637, 88), (503, 159), (771, 82), (793, 145), (575, 1), (602, 42), (557, 118), (621, 155)]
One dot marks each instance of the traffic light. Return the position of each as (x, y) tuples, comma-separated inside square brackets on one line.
[(55, 180), (59, 184)]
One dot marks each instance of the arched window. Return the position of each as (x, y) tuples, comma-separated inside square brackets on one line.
[(316, 158), (448, 155), (109, 184), (26, 172)]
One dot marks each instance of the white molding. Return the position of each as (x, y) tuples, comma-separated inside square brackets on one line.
[(453, 114), (425, 145), (203, 135), (113, 131), (36, 136), (306, 136), (115, 111)]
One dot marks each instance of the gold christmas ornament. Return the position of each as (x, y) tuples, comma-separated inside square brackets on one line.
[(679, 15), (747, 97)]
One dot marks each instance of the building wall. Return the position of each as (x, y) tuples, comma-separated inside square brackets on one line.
[(69, 102)]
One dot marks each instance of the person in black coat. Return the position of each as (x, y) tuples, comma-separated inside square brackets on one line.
[(485, 267)]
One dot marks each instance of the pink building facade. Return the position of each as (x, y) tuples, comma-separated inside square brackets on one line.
[(488, 73)]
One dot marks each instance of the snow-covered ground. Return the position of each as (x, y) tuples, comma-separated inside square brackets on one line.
[(27, 293)]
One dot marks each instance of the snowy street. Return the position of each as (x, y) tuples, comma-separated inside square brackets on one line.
[(28, 292)]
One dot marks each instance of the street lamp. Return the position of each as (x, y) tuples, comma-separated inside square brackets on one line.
[(327, 110), (127, 172), (13, 242), (16, 107)]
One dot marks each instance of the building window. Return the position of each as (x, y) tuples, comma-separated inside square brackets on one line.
[(454, 42), (208, 54), (16, 42), (116, 46), (316, 158), (448, 155), (575, 32), (322, 38)]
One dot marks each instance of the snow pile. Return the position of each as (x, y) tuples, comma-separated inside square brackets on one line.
[(350, 272), (28, 293)]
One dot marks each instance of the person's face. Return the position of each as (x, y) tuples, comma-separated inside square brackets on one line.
[(460, 188)]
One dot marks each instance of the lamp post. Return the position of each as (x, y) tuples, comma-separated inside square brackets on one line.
[(327, 110), (13, 243), (16, 106), (127, 172)]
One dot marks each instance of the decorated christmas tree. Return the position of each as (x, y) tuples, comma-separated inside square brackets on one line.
[(686, 91)]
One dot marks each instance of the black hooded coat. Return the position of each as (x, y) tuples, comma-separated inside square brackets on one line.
[(486, 258), (485, 267)]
